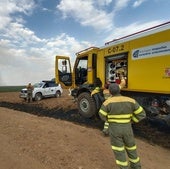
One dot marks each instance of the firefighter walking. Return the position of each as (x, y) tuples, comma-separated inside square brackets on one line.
[(119, 111)]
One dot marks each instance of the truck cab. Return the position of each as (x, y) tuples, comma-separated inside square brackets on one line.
[(81, 80)]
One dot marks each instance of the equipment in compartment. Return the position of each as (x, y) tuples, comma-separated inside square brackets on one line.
[(114, 67), (111, 72)]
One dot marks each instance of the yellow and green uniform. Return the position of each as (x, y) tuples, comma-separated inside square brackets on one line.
[(107, 95), (106, 124), (119, 111), (97, 94)]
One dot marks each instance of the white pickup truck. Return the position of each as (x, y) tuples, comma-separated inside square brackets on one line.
[(42, 90)]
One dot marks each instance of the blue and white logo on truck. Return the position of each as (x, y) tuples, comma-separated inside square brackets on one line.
[(151, 51)]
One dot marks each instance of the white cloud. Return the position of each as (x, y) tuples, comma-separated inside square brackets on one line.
[(36, 63), (8, 7), (24, 57), (138, 3), (20, 34), (11, 27), (130, 29), (5, 20), (12, 6), (92, 12), (120, 4), (33, 62), (12, 64), (86, 13), (66, 45), (102, 2)]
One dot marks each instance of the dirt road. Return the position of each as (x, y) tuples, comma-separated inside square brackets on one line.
[(35, 142)]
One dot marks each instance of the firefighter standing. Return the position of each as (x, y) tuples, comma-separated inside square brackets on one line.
[(119, 111), (97, 93), (121, 81), (106, 94), (30, 89)]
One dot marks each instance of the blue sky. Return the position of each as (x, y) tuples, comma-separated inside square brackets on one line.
[(33, 32)]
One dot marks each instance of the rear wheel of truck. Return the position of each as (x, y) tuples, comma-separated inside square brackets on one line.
[(86, 105)]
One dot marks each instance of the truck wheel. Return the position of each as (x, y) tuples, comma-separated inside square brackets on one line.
[(86, 105), (38, 96)]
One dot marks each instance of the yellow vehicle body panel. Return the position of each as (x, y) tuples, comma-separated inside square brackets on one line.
[(148, 60), (141, 59), (150, 73)]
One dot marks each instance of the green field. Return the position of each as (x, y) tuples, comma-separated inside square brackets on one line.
[(11, 88)]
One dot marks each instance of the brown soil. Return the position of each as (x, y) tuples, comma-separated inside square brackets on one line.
[(37, 141)]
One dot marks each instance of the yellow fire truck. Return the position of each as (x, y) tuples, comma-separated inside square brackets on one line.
[(143, 57)]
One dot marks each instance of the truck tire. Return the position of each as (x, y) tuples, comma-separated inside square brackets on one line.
[(38, 96), (86, 105)]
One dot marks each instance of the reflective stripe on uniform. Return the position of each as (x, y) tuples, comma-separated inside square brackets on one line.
[(139, 110), (135, 119), (118, 148), (131, 148), (119, 120), (122, 163), (138, 115), (119, 116), (103, 112), (96, 90), (106, 125), (134, 160), (123, 118)]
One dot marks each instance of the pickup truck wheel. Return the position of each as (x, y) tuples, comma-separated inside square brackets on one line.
[(86, 105), (58, 94), (38, 96)]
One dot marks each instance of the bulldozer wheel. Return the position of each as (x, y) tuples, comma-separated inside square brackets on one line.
[(86, 105)]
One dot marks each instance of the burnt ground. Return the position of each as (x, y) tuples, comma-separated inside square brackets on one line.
[(50, 134), (154, 134)]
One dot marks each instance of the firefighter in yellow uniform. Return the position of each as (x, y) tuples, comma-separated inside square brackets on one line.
[(97, 93), (122, 84), (119, 111), (106, 94)]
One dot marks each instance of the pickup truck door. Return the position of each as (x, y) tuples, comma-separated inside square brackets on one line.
[(63, 72), (47, 90)]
